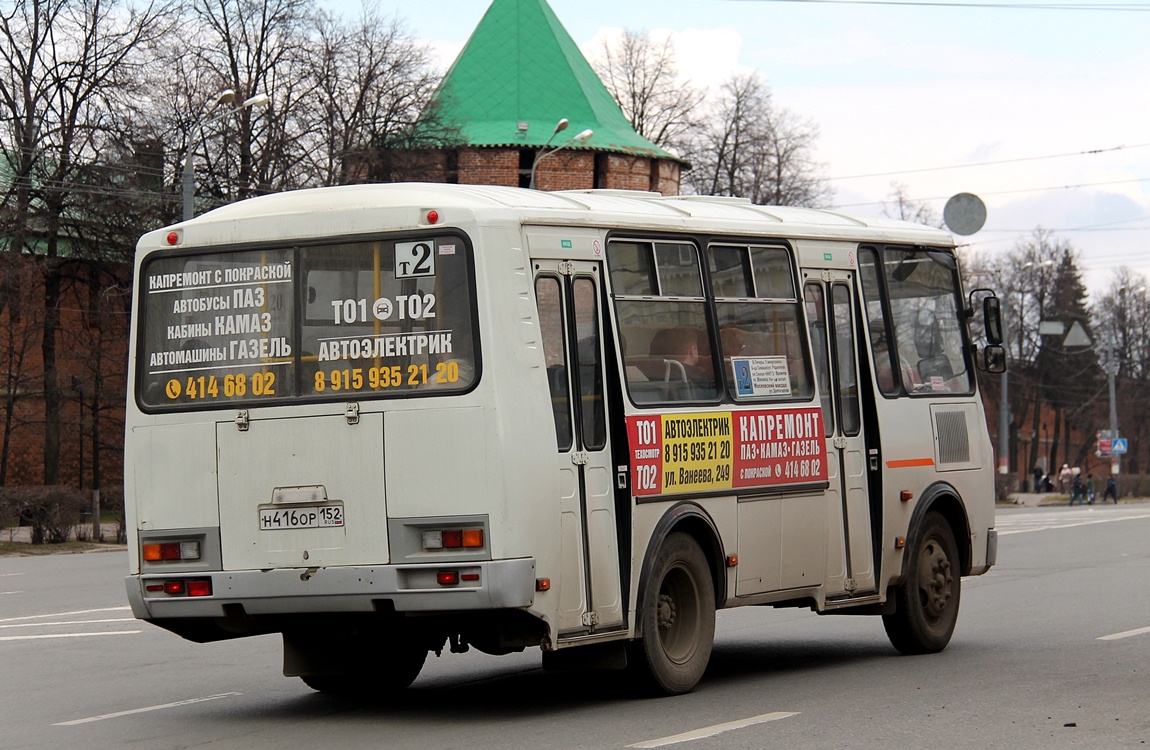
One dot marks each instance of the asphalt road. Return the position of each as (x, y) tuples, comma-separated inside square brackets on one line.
[(1052, 651)]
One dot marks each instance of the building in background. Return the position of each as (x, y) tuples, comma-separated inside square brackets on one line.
[(519, 74)]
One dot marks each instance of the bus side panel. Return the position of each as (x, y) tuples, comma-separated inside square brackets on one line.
[(723, 513), (173, 471), (436, 459)]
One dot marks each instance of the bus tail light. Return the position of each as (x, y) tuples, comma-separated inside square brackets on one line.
[(180, 586), (171, 551), (200, 587), (452, 539), (447, 577)]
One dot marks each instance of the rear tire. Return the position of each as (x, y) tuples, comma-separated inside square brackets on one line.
[(678, 618), (926, 602), (383, 678), (375, 669)]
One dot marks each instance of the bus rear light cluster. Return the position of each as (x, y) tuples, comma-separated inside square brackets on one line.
[(181, 587), (452, 539), (171, 551), (454, 577)]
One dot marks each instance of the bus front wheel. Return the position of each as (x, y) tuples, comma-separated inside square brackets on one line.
[(926, 602), (678, 618)]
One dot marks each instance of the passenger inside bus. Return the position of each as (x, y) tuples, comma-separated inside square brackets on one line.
[(678, 350)]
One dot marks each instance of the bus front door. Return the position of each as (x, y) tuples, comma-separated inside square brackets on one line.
[(568, 296), (831, 314)]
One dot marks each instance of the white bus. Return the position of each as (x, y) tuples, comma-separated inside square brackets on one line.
[(383, 419)]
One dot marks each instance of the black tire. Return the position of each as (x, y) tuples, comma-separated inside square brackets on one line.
[(383, 674), (678, 618), (926, 602)]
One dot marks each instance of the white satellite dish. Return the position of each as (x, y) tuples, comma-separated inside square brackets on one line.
[(964, 213)]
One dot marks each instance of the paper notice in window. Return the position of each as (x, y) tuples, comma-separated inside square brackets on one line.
[(761, 376)]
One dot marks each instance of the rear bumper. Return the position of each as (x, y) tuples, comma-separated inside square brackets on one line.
[(501, 584)]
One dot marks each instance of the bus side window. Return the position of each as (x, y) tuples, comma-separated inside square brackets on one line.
[(882, 354), (661, 312), (549, 298), (817, 319), (921, 306), (760, 325)]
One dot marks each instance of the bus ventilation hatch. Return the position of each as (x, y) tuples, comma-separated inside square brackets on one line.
[(953, 440)]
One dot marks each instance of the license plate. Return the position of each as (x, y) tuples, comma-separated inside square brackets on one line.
[(301, 517)]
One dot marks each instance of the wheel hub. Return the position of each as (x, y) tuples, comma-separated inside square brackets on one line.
[(666, 612), (938, 580)]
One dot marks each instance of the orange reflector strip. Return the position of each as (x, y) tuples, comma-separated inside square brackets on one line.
[(732, 560), (905, 495), (542, 584), (899, 542), (473, 537), (906, 463)]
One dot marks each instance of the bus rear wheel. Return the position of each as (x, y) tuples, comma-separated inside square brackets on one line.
[(376, 665), (678, 618), (926, 602), (381, 679)]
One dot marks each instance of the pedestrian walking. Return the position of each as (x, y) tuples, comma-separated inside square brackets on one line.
[(1090, 489), (1064, 478), (1111, 490), (1077, 490)]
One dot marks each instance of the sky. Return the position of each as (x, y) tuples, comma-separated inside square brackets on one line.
[(1041, 111)]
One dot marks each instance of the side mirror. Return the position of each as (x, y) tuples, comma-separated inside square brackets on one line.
[(994, 359), (992, 319)]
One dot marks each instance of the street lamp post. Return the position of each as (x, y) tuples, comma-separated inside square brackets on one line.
[(582, 137), (227, 96)]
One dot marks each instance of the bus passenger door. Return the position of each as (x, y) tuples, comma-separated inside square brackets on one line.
[(831, 315), (589, 588)]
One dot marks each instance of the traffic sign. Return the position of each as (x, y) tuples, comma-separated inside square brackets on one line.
[(1118, 445)]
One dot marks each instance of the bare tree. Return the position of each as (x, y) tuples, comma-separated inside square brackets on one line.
[(373, 85), (642, 74), (69, 65), (21, 315), (751, 149), (1122, 318), (252, 47), (902, 206)]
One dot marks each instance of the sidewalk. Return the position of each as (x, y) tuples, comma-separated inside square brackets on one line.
[(24, 533), (1035, 499)]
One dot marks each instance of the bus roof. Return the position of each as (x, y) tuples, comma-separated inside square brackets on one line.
[(363, 209)]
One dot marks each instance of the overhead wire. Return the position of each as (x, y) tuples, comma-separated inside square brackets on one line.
[(1105, 7)]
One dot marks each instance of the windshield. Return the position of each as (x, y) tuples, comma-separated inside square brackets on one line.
[(386, 318)]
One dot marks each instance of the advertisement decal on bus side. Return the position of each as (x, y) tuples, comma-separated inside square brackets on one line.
[(703, 452)]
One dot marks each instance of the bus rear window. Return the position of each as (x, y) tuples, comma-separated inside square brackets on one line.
[(379, 319)]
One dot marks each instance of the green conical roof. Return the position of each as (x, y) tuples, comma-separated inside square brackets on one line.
[(521, 66)]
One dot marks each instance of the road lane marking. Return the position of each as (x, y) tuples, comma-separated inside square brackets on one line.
[(2, 593), (65, 635), (64, 614), (1045, 521), (66, 622), (7, 575), (1124, 634), (129, 712), (711, 731)]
